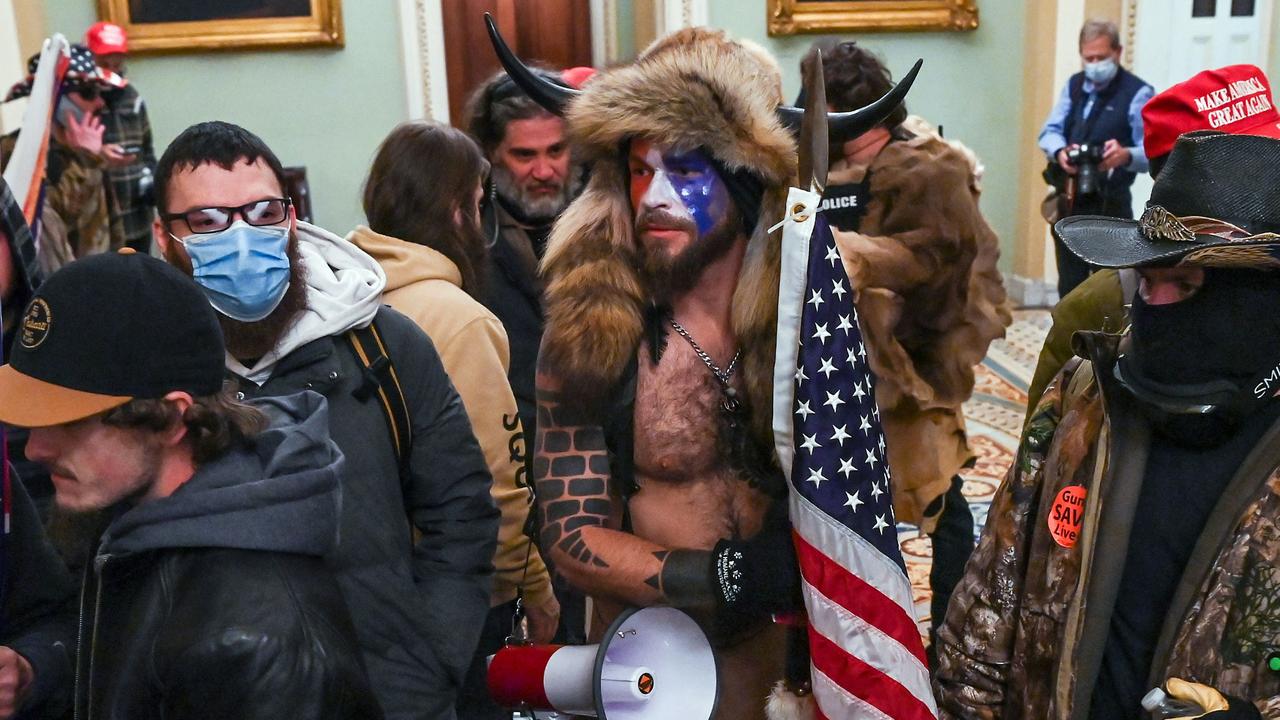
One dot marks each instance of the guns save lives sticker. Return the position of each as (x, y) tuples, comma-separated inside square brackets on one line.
[(1067, 515)]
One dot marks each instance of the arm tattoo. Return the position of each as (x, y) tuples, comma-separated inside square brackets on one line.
[(685, 577), (571, 472)]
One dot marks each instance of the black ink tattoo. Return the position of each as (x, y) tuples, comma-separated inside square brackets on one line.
[(571, 471)]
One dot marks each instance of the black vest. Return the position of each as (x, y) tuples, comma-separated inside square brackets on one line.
[(1108, 120)]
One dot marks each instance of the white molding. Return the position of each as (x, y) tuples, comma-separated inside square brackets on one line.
[(604, 25), (675, 14), (423, 59), (1067, 43), (12, 67)]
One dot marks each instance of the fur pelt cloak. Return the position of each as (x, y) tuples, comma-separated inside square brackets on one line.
[(695, 88)]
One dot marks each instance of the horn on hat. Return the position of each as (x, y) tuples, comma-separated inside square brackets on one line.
[(844, 126), (555, 98)]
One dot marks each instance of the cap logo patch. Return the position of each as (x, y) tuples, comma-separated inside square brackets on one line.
[(36, 324)]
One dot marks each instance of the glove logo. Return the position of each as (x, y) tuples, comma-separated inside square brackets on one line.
[(1067, 515)]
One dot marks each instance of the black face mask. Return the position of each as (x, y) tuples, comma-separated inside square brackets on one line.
[(1200, 365)]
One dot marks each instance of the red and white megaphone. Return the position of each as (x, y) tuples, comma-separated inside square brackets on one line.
[(654, 663)]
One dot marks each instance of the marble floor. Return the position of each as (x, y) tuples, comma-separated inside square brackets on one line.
[(994, 418)]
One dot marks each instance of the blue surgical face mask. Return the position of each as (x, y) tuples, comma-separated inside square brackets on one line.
[(244, 270), (1101, 72)]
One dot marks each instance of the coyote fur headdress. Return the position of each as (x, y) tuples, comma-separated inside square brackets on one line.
[(693, 89)]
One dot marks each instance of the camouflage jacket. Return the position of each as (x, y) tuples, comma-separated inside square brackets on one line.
[(76, 215), (1026, 628)]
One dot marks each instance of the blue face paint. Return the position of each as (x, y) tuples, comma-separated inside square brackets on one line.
[(698, 185)]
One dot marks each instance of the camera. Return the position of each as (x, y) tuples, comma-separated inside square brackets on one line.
[(1085, 158)]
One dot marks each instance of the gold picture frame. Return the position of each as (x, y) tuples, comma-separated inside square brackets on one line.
[(793, 17), (322, 26)]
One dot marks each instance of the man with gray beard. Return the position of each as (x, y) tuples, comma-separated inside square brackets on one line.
[(533, 179)]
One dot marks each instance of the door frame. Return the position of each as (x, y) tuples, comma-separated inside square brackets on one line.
[(426, 84)]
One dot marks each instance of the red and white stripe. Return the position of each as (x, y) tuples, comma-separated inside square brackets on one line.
[(863, 639)]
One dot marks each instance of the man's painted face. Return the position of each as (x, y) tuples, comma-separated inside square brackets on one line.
[(684, 216), (677, 197)]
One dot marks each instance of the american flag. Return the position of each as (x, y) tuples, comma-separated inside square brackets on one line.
[(866, 655)]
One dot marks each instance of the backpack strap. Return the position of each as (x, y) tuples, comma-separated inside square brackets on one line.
[(380, 380)]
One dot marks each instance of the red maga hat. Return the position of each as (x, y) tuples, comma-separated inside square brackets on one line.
[(1235, 99), (105, 38)]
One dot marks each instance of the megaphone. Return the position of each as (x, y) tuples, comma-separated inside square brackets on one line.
[(654, 663)]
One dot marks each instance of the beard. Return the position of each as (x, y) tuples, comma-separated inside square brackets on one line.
[(252, 340), (75, 534), (537, 209), (670, 275)]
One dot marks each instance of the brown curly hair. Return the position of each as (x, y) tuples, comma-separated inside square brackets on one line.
[(215, 423), (856, 78), (498, 102)]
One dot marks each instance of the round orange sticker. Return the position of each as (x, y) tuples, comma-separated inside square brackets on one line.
[(1066, 515)]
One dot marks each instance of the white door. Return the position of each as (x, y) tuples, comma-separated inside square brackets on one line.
[(1175, 39)]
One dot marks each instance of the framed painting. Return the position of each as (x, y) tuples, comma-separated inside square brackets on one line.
[(179, 25), (792, 17)]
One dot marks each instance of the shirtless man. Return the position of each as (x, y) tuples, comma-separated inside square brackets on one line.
[(654, 469), (688, 503)]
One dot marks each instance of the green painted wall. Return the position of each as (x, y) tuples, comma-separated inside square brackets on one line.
[(971, 84), (328, 109), (322, 108)]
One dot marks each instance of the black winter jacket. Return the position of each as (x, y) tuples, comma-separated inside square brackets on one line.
[(214, 602), (513, 292), (38, 609), (418, 608)]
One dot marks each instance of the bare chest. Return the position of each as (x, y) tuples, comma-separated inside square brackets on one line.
[(689, 495), (678, 415)]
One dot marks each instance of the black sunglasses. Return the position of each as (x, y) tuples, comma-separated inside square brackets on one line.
[(88, 92), (268, 211)]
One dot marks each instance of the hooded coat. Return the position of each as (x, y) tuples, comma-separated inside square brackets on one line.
[(693, 89), (426, 286), (418, 602), (215, 602)]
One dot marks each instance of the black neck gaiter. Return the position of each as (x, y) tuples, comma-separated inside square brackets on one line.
[(1211, 348)]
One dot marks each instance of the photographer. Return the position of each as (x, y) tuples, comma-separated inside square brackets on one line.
[(1093, 141)]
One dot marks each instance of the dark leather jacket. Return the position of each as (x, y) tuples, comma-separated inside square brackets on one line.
[(215, 602), (218, 633)]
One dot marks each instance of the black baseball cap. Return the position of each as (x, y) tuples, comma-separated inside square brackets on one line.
[(105, 330)]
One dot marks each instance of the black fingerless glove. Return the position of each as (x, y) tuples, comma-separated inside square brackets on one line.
[(758, 576)]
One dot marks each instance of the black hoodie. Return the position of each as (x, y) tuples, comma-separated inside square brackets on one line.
[(214, 602)]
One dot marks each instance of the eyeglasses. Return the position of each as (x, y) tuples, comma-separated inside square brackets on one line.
[(88, 92), (270, 211)]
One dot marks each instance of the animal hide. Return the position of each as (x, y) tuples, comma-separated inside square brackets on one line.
[(695, 88)]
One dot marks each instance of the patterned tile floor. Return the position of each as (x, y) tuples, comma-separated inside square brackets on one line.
[(994, 416)]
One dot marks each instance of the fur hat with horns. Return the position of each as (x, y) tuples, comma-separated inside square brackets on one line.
[(694, 89)]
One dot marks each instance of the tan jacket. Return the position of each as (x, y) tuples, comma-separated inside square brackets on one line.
[(1026, 629), (930, 301), (426, 286)]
